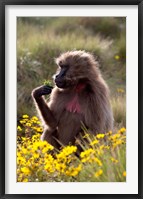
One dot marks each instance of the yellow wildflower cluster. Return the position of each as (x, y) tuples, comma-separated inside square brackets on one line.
[(118, 138), (29, 125), (98, 173), (100, 136), (38, 161)]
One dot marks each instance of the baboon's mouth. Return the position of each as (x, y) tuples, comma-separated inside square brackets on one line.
[(60, 84)]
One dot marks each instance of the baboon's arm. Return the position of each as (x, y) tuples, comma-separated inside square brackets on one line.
[(42, 105)]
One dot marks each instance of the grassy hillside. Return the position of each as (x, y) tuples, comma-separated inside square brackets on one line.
[(40, 40)]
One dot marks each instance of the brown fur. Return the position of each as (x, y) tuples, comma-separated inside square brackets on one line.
[(95, 113)]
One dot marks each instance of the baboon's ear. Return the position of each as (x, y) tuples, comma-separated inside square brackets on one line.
[(58, 61)]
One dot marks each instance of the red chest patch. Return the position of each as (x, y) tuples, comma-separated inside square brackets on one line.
[(73, 106)]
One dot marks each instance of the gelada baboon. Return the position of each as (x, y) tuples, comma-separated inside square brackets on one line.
[(80, 96)]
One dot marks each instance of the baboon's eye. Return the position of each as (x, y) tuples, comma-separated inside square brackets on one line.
[(62, 65)]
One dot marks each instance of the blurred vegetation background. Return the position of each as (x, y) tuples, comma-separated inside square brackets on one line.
[(41, 39)]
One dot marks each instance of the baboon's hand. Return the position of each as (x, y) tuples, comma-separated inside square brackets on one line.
[(42, 90)]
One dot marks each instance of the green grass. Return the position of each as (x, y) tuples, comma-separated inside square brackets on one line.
[(118, 104)]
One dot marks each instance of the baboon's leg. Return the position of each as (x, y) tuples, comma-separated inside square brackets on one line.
[(50, 137)]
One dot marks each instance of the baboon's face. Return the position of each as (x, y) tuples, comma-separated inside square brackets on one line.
[(73, 68)]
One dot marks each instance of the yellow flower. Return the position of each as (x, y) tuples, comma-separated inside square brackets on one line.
[(68, 150), (87, 159), (22, 121), (60, 167), (94, 142), (36, 137), (124, 173), (47, 148), (98, 161), (25, 116), (36, 155), (114, 137), (114, 160), (118, 142), (122, 130), (25, 170), (49, 167), (35, 118), (87, 153), (23, 150), (100, 136), (42, 145), (24, 139), (117, 57), (101, 147), (74, 171), (20, 160), (19, 128), (98, 173), (39, 129), (28, 124), (86, 135), (25, 180)]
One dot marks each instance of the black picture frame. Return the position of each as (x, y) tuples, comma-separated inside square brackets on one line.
[(3, 3)]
